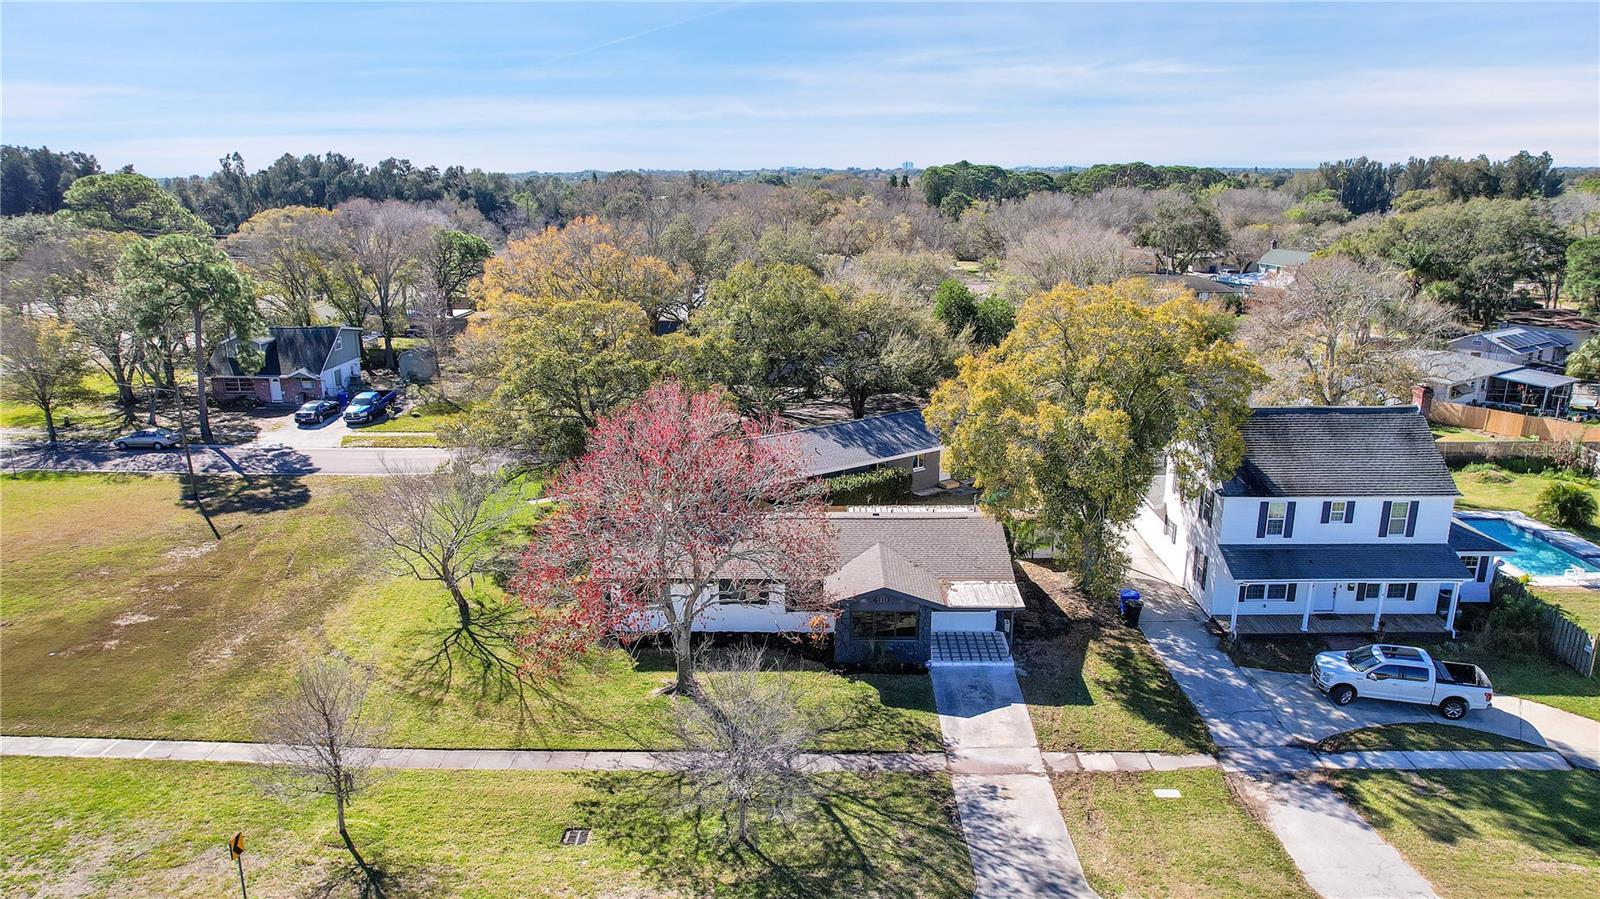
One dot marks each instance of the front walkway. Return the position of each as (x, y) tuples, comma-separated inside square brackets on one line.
[(1019, 844)]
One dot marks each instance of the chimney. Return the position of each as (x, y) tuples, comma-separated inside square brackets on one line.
[(1422, 396)]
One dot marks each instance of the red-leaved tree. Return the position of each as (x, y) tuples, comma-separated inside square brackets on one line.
[(674, 496)]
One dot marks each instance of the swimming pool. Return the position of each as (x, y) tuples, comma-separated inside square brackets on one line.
[(1530, 552)]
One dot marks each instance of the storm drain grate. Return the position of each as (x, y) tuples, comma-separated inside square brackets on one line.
[(575, 836)]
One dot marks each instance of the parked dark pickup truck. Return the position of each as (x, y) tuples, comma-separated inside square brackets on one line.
[(370, 405)]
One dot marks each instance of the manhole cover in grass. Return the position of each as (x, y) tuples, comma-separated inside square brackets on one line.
[(575, 836)]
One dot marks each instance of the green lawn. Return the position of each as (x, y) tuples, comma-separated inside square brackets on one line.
[(1453, 434), (1488, 833), (424, 417), (96, 413), (1579, 604), (1204, 843), (1092, 683), (137, 828), (390, 441), (137, 624), (1422, 737), (1498, 488)]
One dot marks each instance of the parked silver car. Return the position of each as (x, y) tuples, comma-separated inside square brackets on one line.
[(149, 438)]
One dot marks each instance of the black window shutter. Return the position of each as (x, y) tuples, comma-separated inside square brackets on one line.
[(1291, 591), (1241, 592), (1349, 511), (1261, 520), (1205, 565), (1361, 591), (1288, 521), (1327, 510), (1383, 522), (1411, 592), (1483, 566), (1411, 519)]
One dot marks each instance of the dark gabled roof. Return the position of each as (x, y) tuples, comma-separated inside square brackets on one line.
[(846, 445), (1344, 562), (1196, 283), (285, 352), (1565, 319), (1340, 451), (1467, 539)]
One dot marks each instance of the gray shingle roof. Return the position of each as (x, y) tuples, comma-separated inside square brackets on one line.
[(286, 351), (1340, 451), (1284, 257), (847, 445), (1452, 367), (1344, 562), (918, 553), (1467, 539)]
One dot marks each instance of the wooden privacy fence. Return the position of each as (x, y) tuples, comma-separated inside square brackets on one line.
[(1568, 643), (1510, 424)]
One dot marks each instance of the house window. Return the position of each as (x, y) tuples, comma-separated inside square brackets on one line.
[(1396, 591), (883, 625), (732, 592), (1365, 592), (1277, 515), (1278, 592), (1208, 505), (1200, 564), (1267, 593), (308, 385), (1255, 592), (1399, 514), (1471, 564), (1336, 511), (917, 462)]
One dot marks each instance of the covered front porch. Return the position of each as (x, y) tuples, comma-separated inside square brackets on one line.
[(1331, 625)]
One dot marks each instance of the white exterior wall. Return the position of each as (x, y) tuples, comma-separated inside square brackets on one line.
[(770, 618), (1238, 516), (1225, 595), (330, 378)]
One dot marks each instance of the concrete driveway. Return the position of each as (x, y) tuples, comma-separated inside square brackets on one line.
[(1019, 844)]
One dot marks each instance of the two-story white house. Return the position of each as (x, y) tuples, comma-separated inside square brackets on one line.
[(1339, 521)]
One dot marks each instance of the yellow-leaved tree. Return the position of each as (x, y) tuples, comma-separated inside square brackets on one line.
[(1065, 423)]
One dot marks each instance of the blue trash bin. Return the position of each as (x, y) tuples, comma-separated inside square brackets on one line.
[(1129, 605)]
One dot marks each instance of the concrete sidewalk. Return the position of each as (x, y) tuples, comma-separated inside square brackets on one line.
[(480, 759), (1019, 844)]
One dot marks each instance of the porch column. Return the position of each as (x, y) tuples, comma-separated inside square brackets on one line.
[(1305, 617), (1233, 623), (1383, 590), (1455, 598)]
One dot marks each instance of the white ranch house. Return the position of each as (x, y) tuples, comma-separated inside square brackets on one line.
[(1339, 521)]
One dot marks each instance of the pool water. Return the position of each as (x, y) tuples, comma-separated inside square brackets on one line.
[(1530, 552)]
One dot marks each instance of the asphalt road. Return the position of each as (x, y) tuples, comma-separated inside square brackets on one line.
[(242, 460)]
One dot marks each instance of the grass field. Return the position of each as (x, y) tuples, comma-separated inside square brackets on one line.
[(122, 617), (138, 828), (96, 413), (1092, 683), (390, 441), (1488, 833), (1204, 843), (1498, 488), (1453, 434), (1422, 737), (424, 417), (1580, 604)]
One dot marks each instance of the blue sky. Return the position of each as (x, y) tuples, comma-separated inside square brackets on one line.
[(515, 87)]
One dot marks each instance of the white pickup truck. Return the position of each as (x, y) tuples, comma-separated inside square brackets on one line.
[(1402, 674)]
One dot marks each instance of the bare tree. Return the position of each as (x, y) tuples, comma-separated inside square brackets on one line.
[(744, 742), (438, 525), (384, 241), (1075, 252), (323, 739), (1343, 333)]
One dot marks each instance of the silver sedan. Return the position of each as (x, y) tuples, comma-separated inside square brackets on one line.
[(149, 438)]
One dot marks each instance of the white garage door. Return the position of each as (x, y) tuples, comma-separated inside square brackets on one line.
[(963, 621)]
